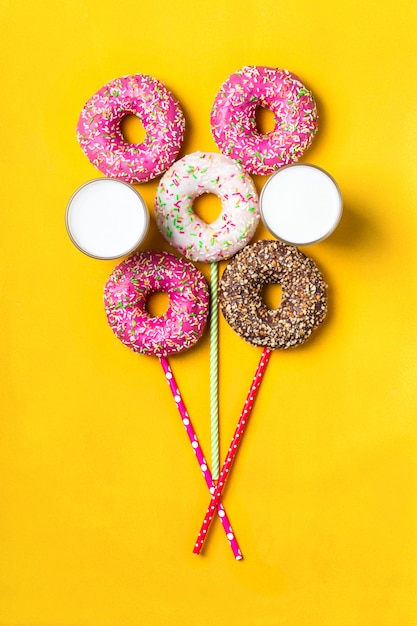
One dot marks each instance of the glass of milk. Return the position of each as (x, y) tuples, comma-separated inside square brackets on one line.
[(301, 204), (106, 218)]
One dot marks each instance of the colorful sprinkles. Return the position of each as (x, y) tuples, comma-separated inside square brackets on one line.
[(101, 139), (233, 118), (190, 177), (126, 292)]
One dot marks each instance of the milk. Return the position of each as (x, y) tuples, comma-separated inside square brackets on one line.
[(301, 204), (106, 218)]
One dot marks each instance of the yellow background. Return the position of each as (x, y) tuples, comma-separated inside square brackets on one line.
[(101, 497)]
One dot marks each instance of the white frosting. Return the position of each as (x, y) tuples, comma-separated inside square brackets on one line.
[(106, 218), (301, 204), (188, 178)]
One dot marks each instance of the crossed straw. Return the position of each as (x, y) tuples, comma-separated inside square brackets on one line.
[(216, 490)]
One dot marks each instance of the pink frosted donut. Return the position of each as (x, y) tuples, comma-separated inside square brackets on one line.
[(128, 288), (190, 177), (233, 122), (101, 139)]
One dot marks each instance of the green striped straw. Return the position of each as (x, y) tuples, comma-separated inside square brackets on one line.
[(214, 372)]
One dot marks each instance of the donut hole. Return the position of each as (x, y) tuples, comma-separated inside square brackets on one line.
[(271, 295), (208, 207), (157, 303), (265, 120), (132, 129)]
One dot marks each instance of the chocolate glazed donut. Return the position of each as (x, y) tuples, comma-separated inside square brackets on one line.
[(303, 302)]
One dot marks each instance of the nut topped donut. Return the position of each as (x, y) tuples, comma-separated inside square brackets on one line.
[(190, 177), (126, 293), (303, 302), (233, 118), (101, 139)]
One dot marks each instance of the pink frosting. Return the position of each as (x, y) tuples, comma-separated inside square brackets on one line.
[(100, 137), (128, 288), (233, 121)]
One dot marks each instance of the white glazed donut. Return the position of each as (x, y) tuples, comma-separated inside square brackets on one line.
[(190, 177)]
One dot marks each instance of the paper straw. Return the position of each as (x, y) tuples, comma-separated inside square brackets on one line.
[(237, 437), (200, 456), (214, 372)]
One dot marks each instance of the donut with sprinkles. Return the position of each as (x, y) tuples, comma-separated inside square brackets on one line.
[(233, 118), (303, 303), (101, 139), (126, 293), (192, 176)]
